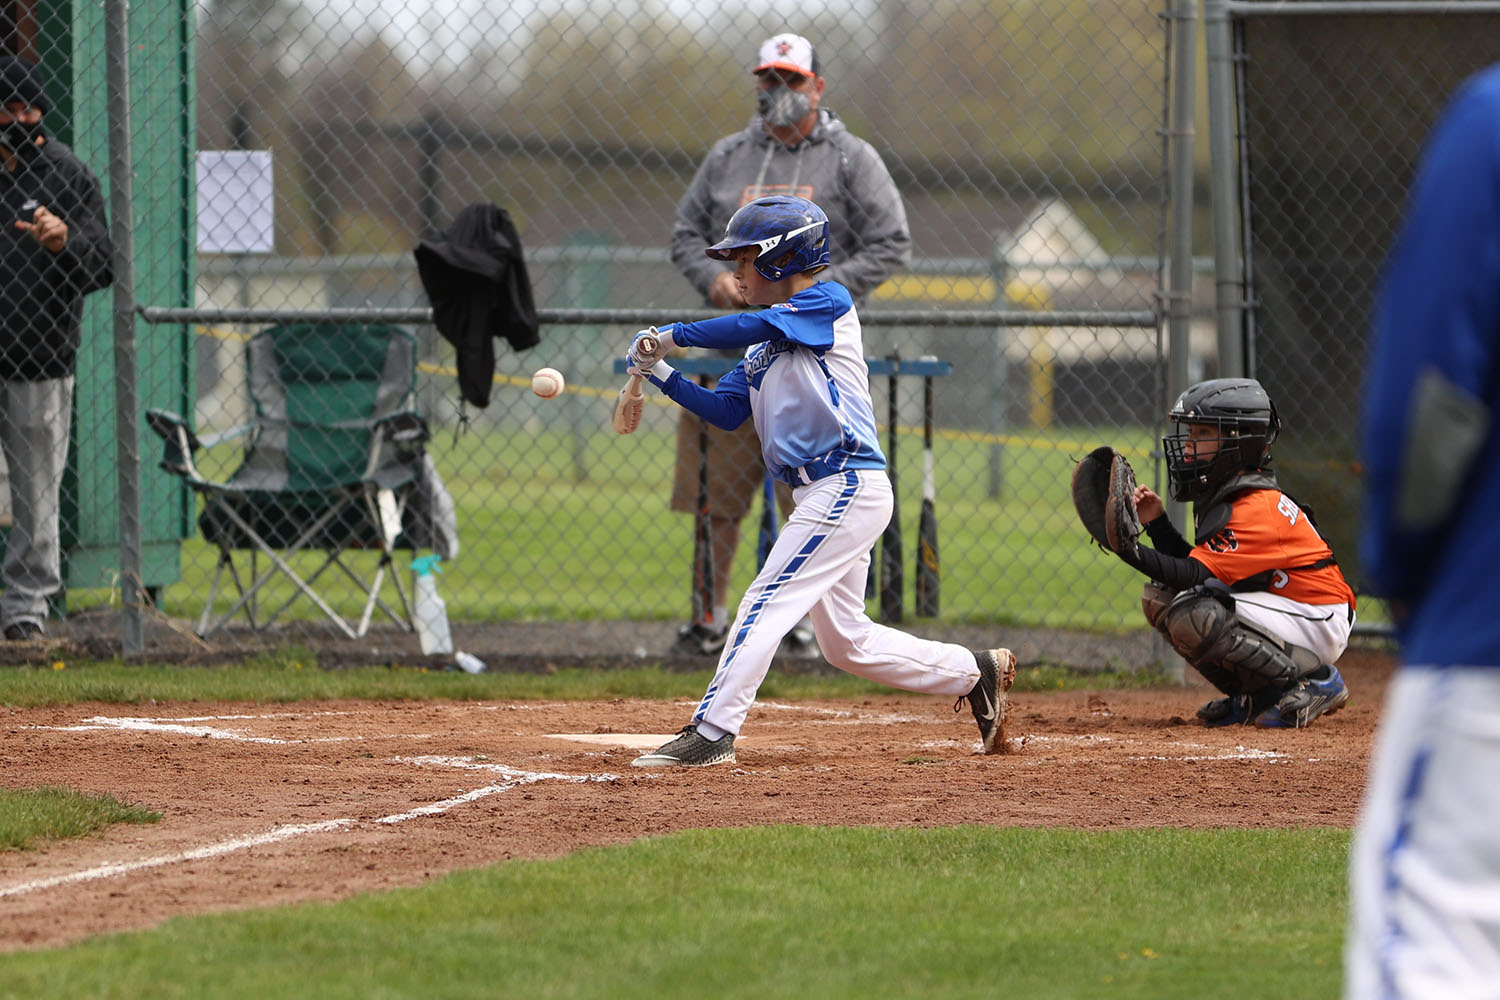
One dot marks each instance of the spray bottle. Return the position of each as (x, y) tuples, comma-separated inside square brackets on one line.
[(431, 616)]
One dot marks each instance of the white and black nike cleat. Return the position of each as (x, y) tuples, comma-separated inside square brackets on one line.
[(997, 672)]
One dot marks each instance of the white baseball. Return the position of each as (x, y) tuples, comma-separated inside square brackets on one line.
[(547, 382)]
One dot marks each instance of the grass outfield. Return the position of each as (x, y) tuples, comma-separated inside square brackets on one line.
[(547, 519), (31, 815), (291, 676), (556, 525), (756, 912), (781, 912)]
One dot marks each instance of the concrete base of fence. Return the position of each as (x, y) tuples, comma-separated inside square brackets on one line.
[(537, 646), (526, 646)]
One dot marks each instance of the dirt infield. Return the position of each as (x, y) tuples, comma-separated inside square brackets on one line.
[(276, 804)]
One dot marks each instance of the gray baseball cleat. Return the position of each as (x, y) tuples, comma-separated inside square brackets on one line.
[(799, 644), (690, 749), (699, 639), (997, 672)]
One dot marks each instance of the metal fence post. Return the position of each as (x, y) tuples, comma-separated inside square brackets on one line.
[(1180, 294), (117, 45), (1229, 289), (995, 406)]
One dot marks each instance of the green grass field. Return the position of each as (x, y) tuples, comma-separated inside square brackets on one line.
[(774, 911), (562, 519), (781, 912), (293, 675), (30, 815)]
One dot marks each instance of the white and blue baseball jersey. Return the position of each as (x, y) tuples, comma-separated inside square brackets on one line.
[(803, 380)]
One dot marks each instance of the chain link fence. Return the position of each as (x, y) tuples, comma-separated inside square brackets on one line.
[(288, 156), (1335, 103)]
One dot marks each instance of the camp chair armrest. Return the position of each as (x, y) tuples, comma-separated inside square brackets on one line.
[(179, 442), (405, 428), (405, 431)]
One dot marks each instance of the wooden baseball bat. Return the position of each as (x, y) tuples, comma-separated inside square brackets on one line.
[(927, 529), (703, 536), (891, 584), (632, 397)]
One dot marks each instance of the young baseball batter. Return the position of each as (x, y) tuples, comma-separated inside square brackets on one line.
[(1258, 606), (804, 382)]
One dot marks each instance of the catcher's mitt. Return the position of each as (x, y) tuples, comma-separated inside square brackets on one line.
[(1103, 494)]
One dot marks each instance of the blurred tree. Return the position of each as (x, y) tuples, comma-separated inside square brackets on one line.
[(358, 159), (248, 49)]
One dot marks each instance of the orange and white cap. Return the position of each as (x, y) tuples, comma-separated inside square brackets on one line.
[(788, 52)]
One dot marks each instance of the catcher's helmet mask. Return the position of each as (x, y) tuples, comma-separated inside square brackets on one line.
[(790, 233), (1246, 423)]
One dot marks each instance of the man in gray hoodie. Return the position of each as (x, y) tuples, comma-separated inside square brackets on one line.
[(792, 146)]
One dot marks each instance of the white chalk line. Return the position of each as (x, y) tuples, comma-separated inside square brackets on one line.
[(208, 851), (844, 717), (516, 778), (1191, 754), (1238, 753), (99, 723)]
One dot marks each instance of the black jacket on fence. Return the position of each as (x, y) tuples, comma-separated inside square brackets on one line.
[(42, 321), (475, 278)]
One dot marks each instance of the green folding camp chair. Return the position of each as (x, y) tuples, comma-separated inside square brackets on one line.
[(331, 460)]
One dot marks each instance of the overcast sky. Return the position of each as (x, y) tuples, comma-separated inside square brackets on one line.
[(440, 34)]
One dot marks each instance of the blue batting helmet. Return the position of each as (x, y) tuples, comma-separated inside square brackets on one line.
[(791, 233)]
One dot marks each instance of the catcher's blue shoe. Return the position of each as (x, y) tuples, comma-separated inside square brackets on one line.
[(1232, 711), (1322, 693)]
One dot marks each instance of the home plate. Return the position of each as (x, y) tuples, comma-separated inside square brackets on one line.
[(636, 741)]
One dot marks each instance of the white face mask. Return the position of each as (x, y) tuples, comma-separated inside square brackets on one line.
[(781, 106)]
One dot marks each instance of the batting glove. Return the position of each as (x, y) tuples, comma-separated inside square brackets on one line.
[(640, 359)]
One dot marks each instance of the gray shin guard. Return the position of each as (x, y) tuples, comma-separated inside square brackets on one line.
[(1232, 654), (1155, 600)]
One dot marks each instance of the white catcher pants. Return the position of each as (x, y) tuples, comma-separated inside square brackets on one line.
[(1424, 876), (818, 566), (1322, 628)]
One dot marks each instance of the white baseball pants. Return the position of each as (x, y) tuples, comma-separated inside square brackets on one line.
[(1424, 874), (818, 566)]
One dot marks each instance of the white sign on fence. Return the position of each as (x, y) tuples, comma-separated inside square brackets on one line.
[(236, 211)]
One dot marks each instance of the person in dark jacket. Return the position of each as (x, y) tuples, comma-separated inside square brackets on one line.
[(55, 251)]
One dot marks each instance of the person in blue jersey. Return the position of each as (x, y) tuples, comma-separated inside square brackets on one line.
[(794, 144), (1424, 871), (804, 382)]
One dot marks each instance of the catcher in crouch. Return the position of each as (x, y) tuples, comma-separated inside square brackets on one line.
[(1258, 606)]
